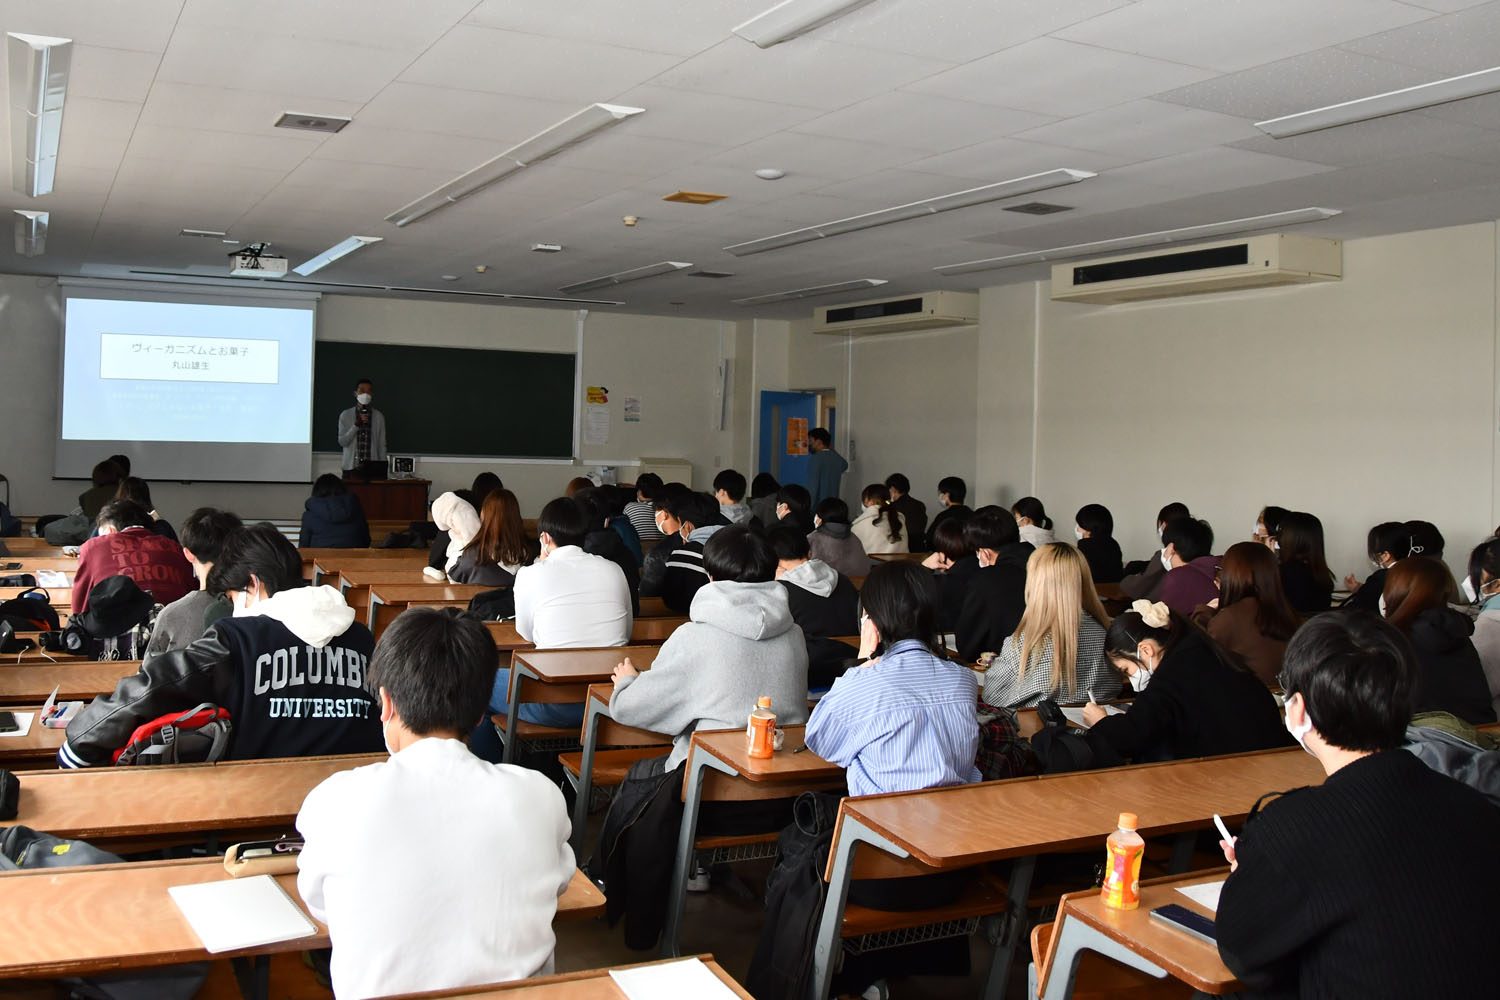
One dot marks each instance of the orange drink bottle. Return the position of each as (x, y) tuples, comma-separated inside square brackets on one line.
[(761, 731), (1122, 875)]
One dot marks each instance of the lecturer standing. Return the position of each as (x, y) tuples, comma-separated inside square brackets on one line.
[(362, 436)]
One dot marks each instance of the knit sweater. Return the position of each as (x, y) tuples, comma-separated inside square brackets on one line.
[(1379, 884), (1004, 685)]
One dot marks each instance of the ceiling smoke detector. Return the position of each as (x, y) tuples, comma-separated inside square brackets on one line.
[(312, 123)]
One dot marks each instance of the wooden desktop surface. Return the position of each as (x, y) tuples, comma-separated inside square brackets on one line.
[(30, 682), (37, 563), (392, 594), (588, 984), (583, 666), (38, 748), (59, 597), (120, 803), (972, 824), (786, 765)]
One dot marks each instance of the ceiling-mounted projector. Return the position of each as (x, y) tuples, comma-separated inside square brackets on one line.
[(256, 261)]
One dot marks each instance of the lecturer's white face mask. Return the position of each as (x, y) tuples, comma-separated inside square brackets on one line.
[(363, 399)]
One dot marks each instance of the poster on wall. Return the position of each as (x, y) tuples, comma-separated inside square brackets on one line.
[(632, 409), (596, 425), (596, 394), (796, 435)]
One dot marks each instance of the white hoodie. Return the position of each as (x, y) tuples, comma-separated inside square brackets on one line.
[(876, 538), (316, 615), (455, 515)]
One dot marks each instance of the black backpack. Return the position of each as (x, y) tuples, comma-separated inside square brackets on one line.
[(29, 611), (493, 605), (782, 966), (1059, 747)]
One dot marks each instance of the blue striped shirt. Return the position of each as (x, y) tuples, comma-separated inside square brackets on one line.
[(904, 723)]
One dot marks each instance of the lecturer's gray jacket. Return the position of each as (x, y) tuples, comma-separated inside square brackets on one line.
[(347, 439)]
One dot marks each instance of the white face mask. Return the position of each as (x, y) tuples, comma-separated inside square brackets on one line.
[(363, 399), (1382, 605), (1259, 531), (1166, 561), (1467, 588), (1140, 679), (1275, 545), (1078, 533), (242, 604), (1299, 733)]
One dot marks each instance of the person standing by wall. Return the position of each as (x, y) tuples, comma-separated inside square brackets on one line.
[(362, 435), (825, 467)]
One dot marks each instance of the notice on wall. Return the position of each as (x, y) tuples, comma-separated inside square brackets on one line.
[(796, 435), (632, 409), (596, 425), (596, 394)]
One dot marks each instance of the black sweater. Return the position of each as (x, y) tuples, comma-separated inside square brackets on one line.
[(953, 587), (1106, 563), (1304, 591), (1195, 705), (994, 603), (1450, 677), (606, 542), (1379, 884), (1367, 597), (958, 510)]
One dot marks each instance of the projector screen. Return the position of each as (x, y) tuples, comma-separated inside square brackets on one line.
[(190, 386)]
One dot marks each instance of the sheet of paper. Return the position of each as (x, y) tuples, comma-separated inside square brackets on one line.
[(52, 578), (596, 425), (671, 981), (238, 913), (23, 725), (1075, 715), (1205, 894)]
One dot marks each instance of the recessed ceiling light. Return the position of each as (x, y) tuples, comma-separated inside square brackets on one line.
[(770, 174), (915, 210), (312, 123), (634, 274), (1454, 88), (39, 67), (857, 284), (1247, 225), (546, 248), (205, 233), (449, 277)]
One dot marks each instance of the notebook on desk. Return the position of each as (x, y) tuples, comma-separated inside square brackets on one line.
[(233, 914)]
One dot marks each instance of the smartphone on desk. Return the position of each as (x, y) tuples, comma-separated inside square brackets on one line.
[(8, 723), (1187, 921), (10, 566)]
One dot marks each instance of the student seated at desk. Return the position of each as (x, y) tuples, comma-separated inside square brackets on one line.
[(697, 516), (833, 540), (1192, 699), (823, 601), (740, 645), (1056, 650), (951, 493), (567, 599), (953, 565), (601, 539), (794, 506), (1450, 676), (654, 566), (139, 491), (1486, 637), (1187, 552), (879, 527), (1380, 883), (995, 593), (1386, 543), (332, 517), (729, 491), (1032, 520), (184, 621), (1142, 580), (763, 490), (1251, 618), (289, 666), (913, 511), (1268, 526), (499, 550), (1094, 527), (126, 546), (1304, 569), (641, 512), (475, 903), (457, 522)]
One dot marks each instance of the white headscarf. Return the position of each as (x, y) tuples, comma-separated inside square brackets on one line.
[(453, 514)]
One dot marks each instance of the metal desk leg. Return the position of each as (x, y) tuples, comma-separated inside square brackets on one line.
[(370, 609), (1182, 852), (828, 943), (593, 713), (682, 868), (1017, 889), (512, 712), (253, 976), (1075, 938)]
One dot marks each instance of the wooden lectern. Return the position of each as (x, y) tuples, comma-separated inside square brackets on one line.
[(391, 499)]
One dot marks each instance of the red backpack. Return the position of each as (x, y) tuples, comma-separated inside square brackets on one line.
[(198, 736)]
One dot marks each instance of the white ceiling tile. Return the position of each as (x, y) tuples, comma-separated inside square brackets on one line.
[(363, 178), (1447, 6), (1314, 80), (96, 131), (142, 175), (1240, 35), (807, 73), (280, 151), (184, 105), (670, 26), (142, 25), (1447, 45), (1369, 141), (921, 121), (1054, 77), (1209, 170), (1481, 112), (703, 117), (393, 147), (621, 149), (958, 30), (380, 24), (111, 74), (508, 62), (502, 117), (813, 154), (304, 68), (741, 185), (1003, 159), (894, 187), (1143, 130)]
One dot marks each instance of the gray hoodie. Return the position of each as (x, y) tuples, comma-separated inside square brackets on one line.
[(735, 513), (739, 644), (814, 576), (837, 545)]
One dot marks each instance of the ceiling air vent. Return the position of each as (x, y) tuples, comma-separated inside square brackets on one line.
[(1038, 208), (312, 123), (1224, 265), (710, 274), (933, 310)]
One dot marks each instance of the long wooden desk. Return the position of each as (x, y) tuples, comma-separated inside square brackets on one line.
[(1019, 819), (718, 753), (103, 918), (37, 750), (589, 984), (61, 598), (31, 545), (330, 571), (29, 683), (317, 556), (112, 807), (389, 600), (567, 673), (1134, 938), (39, 564), (354, 581)]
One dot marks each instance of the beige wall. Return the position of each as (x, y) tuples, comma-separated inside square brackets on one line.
[(1369, 399)]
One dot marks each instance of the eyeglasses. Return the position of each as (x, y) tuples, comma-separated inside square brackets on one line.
[(1281, 683)]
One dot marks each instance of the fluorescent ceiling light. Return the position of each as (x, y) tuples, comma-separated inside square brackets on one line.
[(31, 233), (1425, 95), (38, 86), (792, 18), (1251, 224), (915, 210), (334, 252), (857, 284), (620, 277), (573, 129)]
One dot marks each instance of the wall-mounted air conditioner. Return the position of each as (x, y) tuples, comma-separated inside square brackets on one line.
[(1251, 262), (929, 311)]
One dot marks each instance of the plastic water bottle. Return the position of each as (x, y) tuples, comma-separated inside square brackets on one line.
[(762, 729), (1122, 873)]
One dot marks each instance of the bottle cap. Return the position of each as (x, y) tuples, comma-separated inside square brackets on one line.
[(763, 702), (1128, 821)]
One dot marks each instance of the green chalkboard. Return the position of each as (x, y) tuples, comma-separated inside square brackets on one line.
[(450, 401)]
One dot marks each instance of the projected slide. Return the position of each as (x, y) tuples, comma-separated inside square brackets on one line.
[(190, 387)]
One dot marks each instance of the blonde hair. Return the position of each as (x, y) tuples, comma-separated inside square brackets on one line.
[(1059, 591)]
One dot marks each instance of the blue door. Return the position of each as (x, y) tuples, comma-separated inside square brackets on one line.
[(785, 419)]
